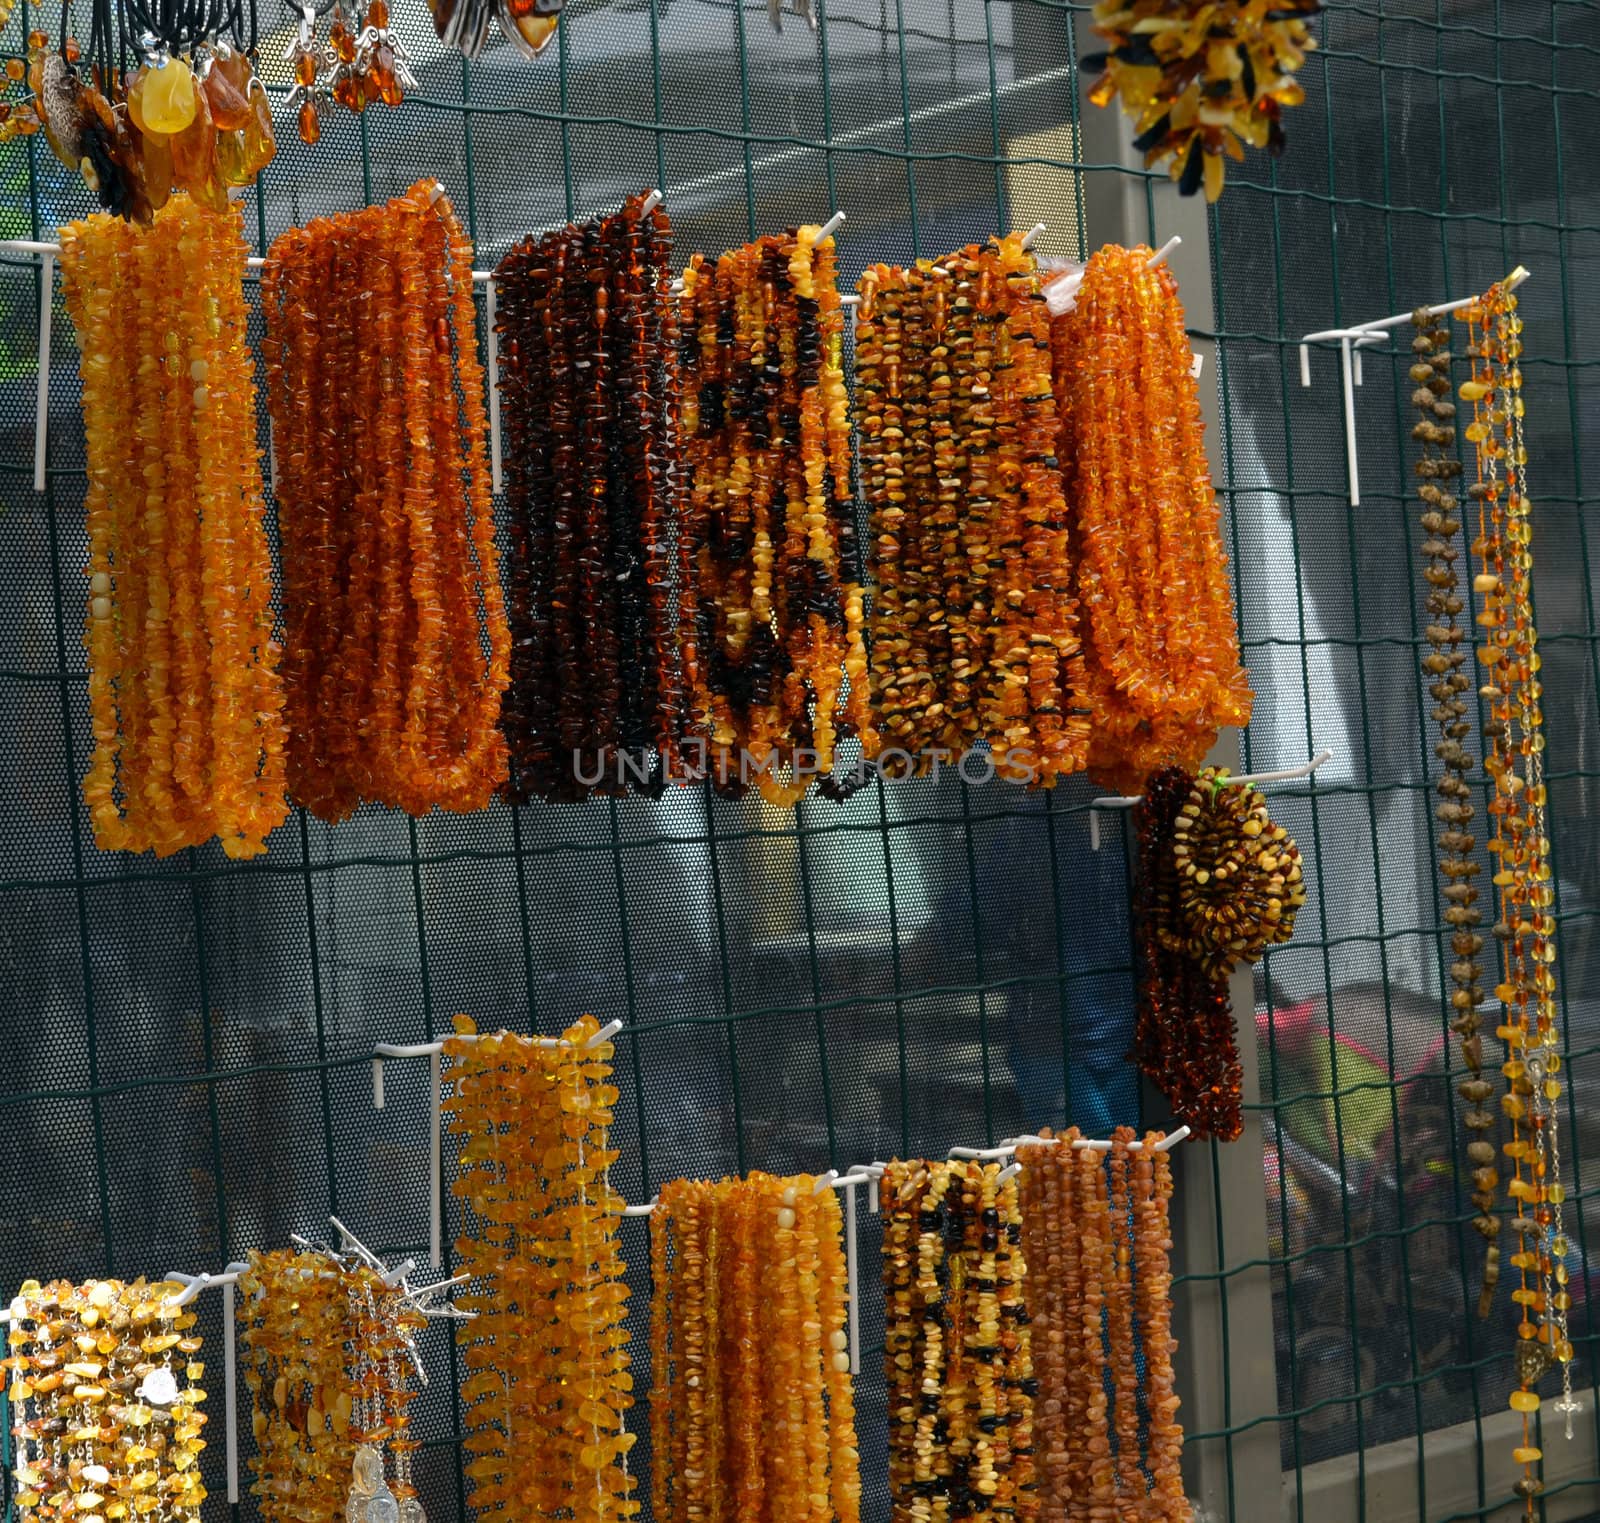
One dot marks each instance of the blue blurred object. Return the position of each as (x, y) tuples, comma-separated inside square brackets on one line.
[(1097, 1088)]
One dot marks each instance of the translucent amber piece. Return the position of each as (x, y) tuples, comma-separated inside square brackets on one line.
[(227, 88), (164, 99), (1524, 1401), (310, 127), (258, 141), (232, 166)]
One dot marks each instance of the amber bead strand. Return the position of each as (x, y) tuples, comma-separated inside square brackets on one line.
[(1045, 1241), (975, 624), (1449, 683), (1119, 1320), (295, 1329), (1097, 1274), (899, 1200), (1150, 576), (383, 487), (1183, 1032), (547, 1387), (844, 1459), (590, 397), (174, 609), (1152, 1193), (1522, 879)]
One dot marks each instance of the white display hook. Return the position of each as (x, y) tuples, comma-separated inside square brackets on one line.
[(1061, 292), (433, 1051), (1132, 800), (1352, 339), (193, 1284)]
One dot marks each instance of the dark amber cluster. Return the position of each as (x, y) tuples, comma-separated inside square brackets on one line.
[(547, 1386), (777, 663), (1099, 1293), (1202, 78), (184, 693), (1239, 879), (105, 1413), (1160, 640), (397, 647), (1183, 1033), (974, 623), (589, 397), (957, 1346), (751, 1409), (1449, 683)]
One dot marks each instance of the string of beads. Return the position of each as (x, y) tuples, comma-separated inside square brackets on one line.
[(397, 646), (185, 701)]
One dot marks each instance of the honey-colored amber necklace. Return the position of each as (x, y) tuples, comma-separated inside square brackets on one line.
[(184, 696), (778, 668), (548, 1386), (751, 1409), (397, 647), (1160, 634), (1523, 878), (103, 1426), (975, 630)]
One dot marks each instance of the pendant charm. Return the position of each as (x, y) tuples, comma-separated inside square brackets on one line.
[(382, 1508)]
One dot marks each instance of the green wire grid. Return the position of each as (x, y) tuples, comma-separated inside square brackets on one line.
[(932, 963)]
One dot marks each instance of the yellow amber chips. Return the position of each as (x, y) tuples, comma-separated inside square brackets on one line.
[(104, 1407), (547, 1385), (184, 696), (752, 1412)]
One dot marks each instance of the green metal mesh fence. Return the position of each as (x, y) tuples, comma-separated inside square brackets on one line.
[(186, 1043)]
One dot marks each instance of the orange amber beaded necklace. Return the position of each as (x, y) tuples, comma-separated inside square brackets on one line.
[(1160, 641), (1523, 880), (751, 1411), (184, 696), (397, 647)]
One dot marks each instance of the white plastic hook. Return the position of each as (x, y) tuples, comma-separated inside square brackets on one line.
[(492, 346), (651, 202), (1284, 775), (1352, 339), (41, 428), (1034, 234), (831, 226), (1160, 255)]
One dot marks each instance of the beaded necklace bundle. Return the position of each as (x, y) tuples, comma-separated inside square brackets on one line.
[(547, 1387), (1523, 878), (589, 389), (1160, 641), (184, 696), (778, 664), (751, 1409), (1218, 883), (974, 624), (957, 1346), (1095, 1230), (327, 1348), (1448, 683), (102, 1425), (397, 649)]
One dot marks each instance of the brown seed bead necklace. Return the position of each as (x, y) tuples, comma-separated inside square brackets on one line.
[(1448, 683)]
